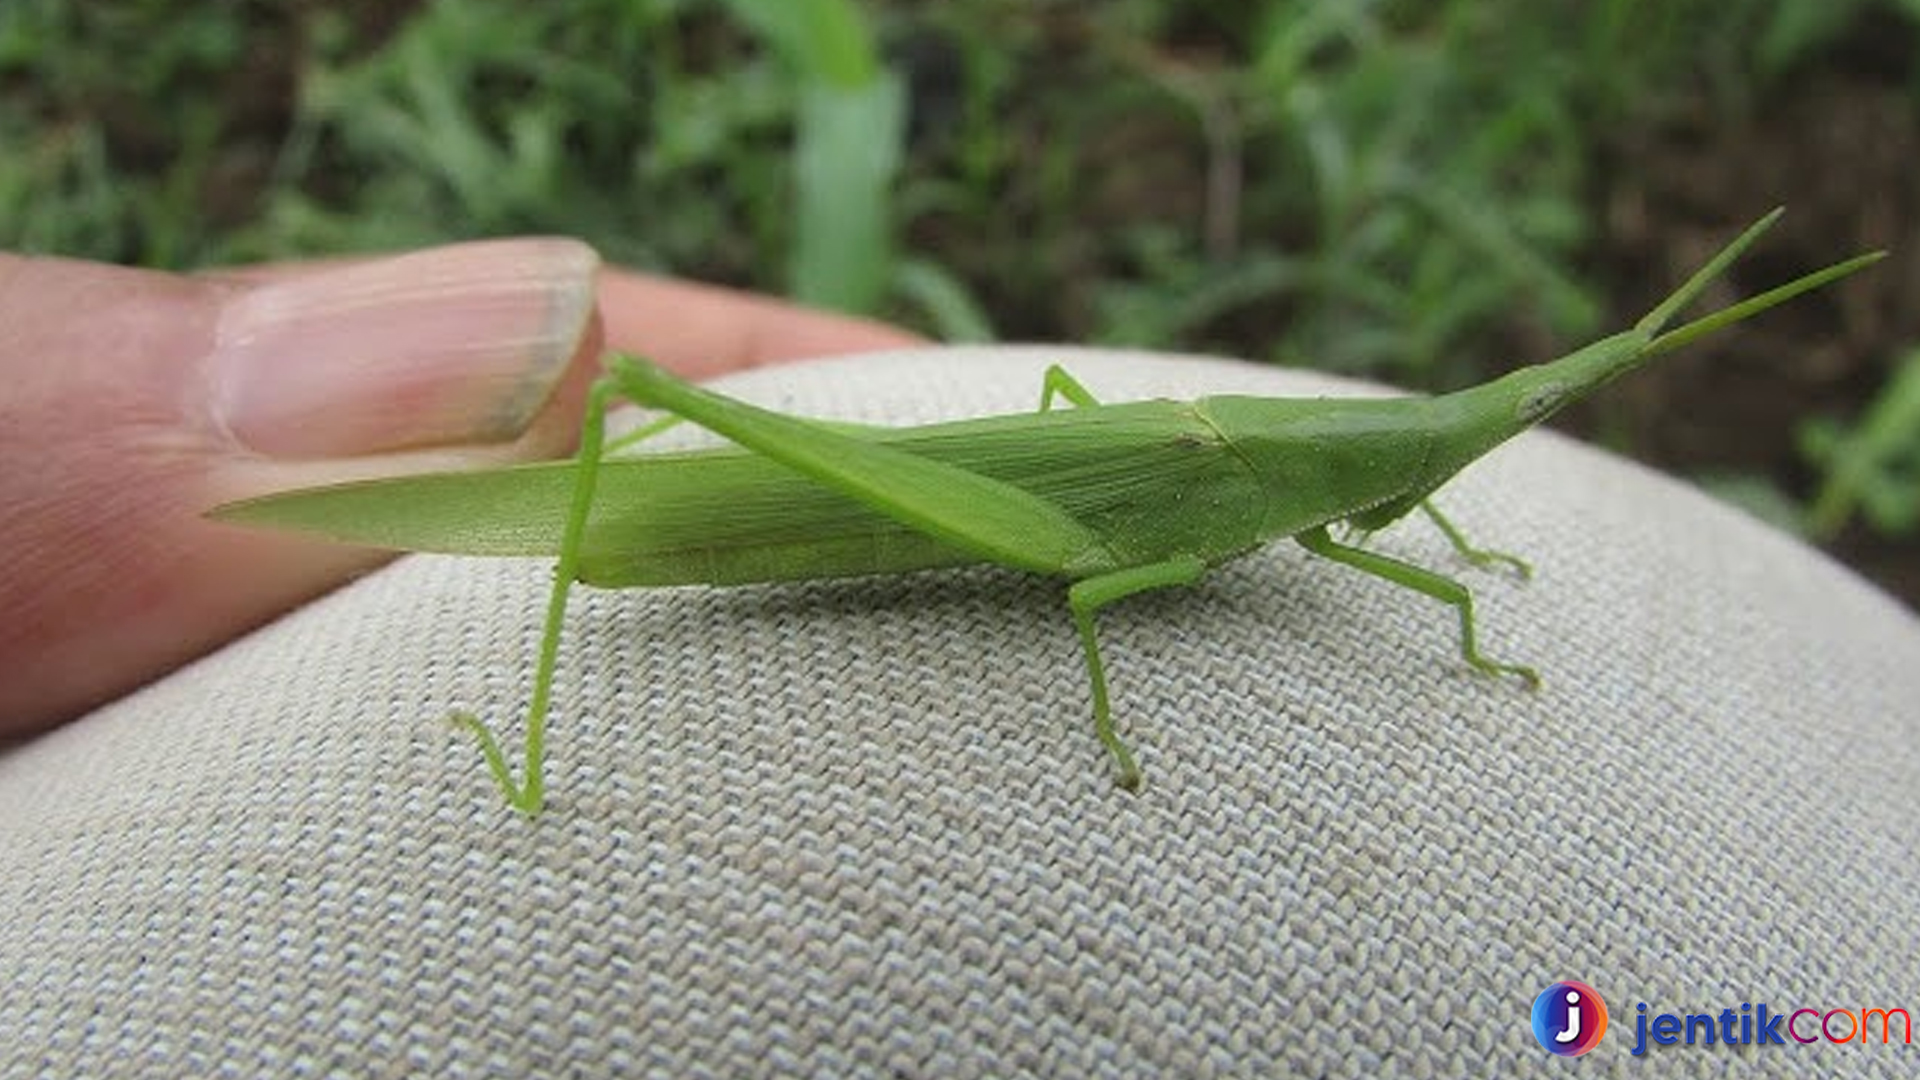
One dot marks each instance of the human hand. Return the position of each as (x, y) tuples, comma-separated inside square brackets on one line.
[(133, 401)]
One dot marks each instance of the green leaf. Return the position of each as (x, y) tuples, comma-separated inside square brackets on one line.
[(848, 149), (824, 40), (1874, 467)]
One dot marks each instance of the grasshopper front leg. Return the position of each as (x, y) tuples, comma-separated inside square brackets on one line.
[(1443, 589), (1478, 556)]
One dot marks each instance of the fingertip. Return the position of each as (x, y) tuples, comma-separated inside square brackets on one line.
[(112, 575), (703, 330), (462, 344)]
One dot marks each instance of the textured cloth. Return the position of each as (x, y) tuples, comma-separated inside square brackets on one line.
[(863, 827)]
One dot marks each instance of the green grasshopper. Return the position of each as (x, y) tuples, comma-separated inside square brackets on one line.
[(1117, 499)]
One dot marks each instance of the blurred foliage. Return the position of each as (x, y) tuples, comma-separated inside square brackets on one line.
[(1873, 466), (1398, 188)]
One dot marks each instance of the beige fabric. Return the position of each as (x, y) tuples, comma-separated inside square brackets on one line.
[(863, 827)]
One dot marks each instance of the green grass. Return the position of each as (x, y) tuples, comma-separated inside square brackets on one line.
[(1407, 190), (1872, 468)]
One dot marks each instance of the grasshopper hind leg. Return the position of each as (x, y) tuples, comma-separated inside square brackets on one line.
[(528, 794), (1057, 383)]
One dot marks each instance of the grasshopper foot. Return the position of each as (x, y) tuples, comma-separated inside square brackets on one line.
[(526, 798), (1484, 559), (1525, 674), (1480, 558), (1127, 772)]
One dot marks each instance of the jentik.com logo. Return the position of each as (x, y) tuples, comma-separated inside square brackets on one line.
[(1569, 1018)]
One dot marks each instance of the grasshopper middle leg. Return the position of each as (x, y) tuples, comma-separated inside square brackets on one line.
[(1090, 595)]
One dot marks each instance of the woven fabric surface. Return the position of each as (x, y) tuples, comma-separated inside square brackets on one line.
[(863, 827)]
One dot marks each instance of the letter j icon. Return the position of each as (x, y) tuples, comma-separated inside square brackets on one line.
[(1569, 1017)]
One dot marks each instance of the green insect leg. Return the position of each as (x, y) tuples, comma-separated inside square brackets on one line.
[(529, 796), (668, 422), (1089, 596), (1443, 589), (1480, 557), (1056, 383), (658, 426), (997, 521)]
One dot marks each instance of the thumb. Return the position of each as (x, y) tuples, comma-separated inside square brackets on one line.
[(131, 402)]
